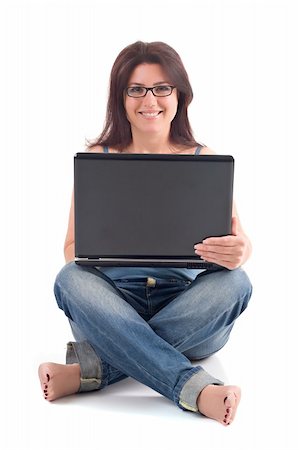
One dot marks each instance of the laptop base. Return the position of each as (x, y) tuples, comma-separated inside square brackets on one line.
[(118, 262)]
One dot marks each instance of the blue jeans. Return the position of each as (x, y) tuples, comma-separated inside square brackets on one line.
[(149, 329)]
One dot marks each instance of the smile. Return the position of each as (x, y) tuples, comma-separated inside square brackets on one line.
[(150, 114)]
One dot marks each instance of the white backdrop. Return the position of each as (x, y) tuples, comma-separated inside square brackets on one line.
[(242, 59)]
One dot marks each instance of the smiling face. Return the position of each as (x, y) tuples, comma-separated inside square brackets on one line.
[(150, 114)]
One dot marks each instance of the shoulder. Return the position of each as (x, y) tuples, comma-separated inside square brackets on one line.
[(207, 151), (95, 149), (204, 150), (100, 149)]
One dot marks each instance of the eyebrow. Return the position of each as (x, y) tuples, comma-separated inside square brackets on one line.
[(154, 84)]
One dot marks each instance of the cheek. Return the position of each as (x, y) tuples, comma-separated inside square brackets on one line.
[(173, 107), (128, 109), (173, 103)]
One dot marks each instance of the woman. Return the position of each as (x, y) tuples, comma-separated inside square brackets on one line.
[(150, 323)]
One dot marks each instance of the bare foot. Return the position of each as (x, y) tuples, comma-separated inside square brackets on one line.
[(219, 402), (59, 380)]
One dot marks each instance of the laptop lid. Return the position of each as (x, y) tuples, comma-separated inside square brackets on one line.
[(149, 210)]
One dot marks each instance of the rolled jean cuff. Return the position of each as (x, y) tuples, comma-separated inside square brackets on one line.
[(193, 387), (91, 372)]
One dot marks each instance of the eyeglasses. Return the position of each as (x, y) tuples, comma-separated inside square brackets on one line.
[(141, 91)]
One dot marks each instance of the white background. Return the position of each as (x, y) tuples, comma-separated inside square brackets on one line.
[(242, 58)]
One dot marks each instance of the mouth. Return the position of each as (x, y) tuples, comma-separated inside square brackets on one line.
[(150, 115)]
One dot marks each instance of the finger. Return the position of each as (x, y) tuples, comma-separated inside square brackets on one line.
[(217, 256), (223, 240), (222, 262), (225, 250), (230, 261)]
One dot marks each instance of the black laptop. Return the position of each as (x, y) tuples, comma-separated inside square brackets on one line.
[(149, 210)]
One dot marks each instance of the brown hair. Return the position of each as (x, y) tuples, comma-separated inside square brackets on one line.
[(117, 129)]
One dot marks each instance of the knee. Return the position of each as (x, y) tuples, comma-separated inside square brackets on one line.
[(227, 289), (241, 285), (66, 281), (236, 290), (68, 276), (83, 287), (74, 281)]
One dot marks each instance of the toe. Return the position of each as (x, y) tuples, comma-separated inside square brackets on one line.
[(44, 377), (231, 403)]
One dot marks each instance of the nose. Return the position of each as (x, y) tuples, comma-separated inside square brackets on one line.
[(149, 99)]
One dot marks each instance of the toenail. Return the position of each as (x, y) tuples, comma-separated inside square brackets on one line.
[(48, 376), (224, 421)]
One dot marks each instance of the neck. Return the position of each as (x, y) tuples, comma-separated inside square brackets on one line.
[(150, 144)]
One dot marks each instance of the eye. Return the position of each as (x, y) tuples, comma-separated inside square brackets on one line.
[(162, 89), (135, 90)]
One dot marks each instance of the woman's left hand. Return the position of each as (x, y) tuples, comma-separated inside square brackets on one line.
[(228, 251)]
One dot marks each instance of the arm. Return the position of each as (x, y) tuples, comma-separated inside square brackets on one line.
[(69, 244)]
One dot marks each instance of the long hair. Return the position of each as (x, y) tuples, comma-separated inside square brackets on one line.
[(117, 129)]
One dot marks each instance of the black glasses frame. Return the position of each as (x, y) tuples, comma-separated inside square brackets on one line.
[(150, 89)]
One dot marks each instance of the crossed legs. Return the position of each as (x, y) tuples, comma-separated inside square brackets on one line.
[(196, 323)]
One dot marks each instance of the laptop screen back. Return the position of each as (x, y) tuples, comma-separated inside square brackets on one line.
[(150, 205)]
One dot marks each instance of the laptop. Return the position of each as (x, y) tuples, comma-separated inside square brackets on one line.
[(149, 209)]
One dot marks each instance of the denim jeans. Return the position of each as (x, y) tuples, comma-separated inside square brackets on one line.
[(150, 328)]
